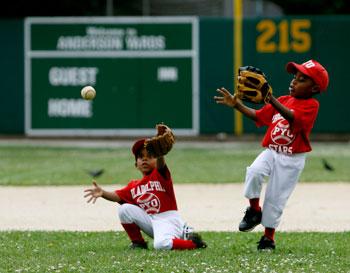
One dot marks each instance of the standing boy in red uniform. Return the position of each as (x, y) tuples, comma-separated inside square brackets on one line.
[(149, 204), (289, 120)]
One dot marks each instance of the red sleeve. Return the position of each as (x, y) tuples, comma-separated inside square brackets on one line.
[(124, 193), (264, 115), (305, 115)]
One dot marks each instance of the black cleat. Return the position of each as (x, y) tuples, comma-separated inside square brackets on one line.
[(197, 240), (138, 245), (266, 244), (251, 219)]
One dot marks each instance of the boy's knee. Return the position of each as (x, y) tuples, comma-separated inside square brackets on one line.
[(124, 214), (254, 177), (164, 244), (254, 173), (253, 183)]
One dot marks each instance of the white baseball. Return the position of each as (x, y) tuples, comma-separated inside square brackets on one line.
[(88, 93)]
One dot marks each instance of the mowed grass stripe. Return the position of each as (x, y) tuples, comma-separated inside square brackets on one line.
[(226, 252), (225, 163)]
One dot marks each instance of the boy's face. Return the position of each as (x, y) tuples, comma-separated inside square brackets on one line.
[(302, 86), (145, 162)]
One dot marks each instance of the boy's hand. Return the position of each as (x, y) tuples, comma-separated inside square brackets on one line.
[(93, 193), (227, 98)]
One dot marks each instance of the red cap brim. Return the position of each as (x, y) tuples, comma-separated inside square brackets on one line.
[(139, 144), (292, 68)]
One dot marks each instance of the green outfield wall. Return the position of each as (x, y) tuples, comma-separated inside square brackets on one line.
[(276, 42), (269, 43), (12, 77), (157, 69)]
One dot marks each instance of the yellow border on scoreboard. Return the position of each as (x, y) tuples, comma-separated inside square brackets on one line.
[(237, 57)]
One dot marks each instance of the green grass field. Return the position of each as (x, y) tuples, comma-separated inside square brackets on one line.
[(227, 252), (39, 251), (20, 165)]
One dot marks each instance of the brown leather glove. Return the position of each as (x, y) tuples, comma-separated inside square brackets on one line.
[(162, 143), (252, 85)]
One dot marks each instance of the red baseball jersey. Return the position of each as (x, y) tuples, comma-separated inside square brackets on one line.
[(282, 136), (154, 192)]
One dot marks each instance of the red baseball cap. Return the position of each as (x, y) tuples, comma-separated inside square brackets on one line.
[(139, 144), (312, 69)]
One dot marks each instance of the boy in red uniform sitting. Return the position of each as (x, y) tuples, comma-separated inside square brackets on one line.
[(149, 204)]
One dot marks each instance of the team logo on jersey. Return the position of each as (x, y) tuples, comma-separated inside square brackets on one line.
[(149, 202), (281, 135), (150, 186)]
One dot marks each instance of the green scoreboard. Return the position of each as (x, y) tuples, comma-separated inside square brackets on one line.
[(144, 70)]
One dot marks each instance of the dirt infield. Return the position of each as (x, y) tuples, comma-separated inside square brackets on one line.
[(220, 207)]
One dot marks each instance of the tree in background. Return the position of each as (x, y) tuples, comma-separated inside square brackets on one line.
[(24, 8), (293, 7)]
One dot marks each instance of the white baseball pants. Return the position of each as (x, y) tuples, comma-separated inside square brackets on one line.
[(162, 227), (284, 172)]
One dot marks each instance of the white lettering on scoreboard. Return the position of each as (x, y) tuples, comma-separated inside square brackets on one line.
[(145, 42), (169, 74), (72, 76), (89, 43), (75, 108), (111, 39)]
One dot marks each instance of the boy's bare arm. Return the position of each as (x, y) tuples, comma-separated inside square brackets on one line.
[(111, 196), (245, 110), (284, 111), (232, 101), (97, 192), (160, 164)]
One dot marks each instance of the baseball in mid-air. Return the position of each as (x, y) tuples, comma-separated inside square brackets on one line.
[(88, 93)]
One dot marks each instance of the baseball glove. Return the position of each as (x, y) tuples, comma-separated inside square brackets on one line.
[(252, 85), (162, 143)]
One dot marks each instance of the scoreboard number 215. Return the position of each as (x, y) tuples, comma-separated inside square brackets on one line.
[(283, 36)]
